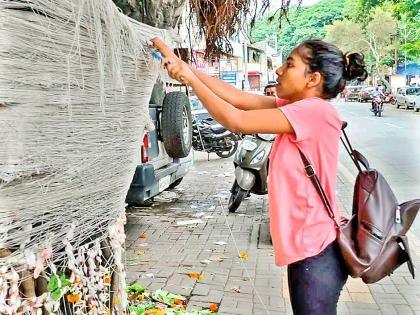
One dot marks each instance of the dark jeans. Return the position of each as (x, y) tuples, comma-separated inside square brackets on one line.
[(315, 283)]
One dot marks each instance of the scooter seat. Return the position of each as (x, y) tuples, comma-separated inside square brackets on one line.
[(217, 128)]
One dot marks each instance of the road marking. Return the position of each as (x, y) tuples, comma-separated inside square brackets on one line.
[(392, 125)]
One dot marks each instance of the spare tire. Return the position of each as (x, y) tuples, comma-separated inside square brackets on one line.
[(176, 124)]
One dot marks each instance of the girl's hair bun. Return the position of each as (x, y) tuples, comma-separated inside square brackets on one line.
[(354, 67)]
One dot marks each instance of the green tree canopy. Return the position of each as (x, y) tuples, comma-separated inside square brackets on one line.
[(305, 23)]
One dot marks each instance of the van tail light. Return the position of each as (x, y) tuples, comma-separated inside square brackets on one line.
[(144, 147)]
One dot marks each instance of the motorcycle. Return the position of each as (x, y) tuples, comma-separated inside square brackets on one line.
[(377, 106), (251, 168), (209, 136)]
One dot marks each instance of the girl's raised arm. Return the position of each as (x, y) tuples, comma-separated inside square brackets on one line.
[(239, 99)]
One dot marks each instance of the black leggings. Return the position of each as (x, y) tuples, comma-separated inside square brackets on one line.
[(315, 283)]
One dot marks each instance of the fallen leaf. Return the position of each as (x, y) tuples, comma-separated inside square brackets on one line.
[(189, 222), (243, 255), (236, 289), (195, 275), (206, 261), (217, 258), (213, 307), (143, 235), (141, 252)]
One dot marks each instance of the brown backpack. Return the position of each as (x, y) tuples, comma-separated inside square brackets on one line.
[(373, 241)]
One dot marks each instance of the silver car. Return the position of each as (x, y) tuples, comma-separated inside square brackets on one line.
[(406, 97)]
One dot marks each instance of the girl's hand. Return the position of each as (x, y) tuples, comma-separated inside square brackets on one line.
[(179, 70)]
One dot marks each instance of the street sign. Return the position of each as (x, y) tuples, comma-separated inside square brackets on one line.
[(228, 77)]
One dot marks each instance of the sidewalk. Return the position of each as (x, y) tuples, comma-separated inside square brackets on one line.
[(160, 253)]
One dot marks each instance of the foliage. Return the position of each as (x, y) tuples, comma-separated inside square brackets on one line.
[(161, 302), (166, 297), (57, 283), (347, 35), (374, 40), (135, 289), (305, 23)]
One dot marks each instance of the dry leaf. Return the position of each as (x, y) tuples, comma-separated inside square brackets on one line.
[(196, 275), (236, 289), (141, 252), (217, 258), (243, 255), (143, 235)]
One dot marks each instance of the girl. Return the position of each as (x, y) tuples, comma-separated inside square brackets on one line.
[(303, 233)]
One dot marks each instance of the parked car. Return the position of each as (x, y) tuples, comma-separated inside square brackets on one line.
[(353, 94), (417, 103), (165, 154), (406, 96), (365, 94)]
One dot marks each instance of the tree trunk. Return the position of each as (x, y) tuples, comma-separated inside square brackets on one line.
[(158, 13)]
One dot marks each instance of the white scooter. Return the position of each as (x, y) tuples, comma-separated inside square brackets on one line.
[(251, 168)]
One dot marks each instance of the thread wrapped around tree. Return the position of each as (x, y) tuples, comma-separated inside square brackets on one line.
[(75, 82)]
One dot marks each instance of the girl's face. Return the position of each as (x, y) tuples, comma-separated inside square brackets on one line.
[(293, 78)]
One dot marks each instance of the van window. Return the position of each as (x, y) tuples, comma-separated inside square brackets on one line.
[(412, 91)]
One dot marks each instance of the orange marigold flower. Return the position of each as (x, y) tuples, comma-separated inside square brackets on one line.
[(178, 302), (73, 298), (213, 307), (107, 279)]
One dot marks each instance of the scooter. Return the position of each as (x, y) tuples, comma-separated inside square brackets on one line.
[(251, 168), (377, 106)]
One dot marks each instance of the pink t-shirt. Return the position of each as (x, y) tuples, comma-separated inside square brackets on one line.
[(299, 223)]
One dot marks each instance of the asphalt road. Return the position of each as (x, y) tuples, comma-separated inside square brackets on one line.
[(391, 144)]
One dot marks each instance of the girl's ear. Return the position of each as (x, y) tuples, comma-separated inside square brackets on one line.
[(315, 79)]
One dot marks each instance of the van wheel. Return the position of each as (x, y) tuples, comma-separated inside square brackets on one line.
[(176, 124)]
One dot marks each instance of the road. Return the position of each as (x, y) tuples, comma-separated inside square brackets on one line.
[(390, 143)]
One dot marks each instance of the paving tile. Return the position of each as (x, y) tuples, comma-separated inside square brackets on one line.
[(172, 251)]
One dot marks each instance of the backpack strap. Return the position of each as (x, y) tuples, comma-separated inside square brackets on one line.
[(310, 172)]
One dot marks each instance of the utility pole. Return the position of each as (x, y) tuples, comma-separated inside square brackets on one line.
[(405, 53), (245, 53)]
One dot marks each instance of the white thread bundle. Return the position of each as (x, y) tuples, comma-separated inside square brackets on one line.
[(75, 81)]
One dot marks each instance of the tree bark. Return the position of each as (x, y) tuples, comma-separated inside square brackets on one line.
[(158, 13)]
